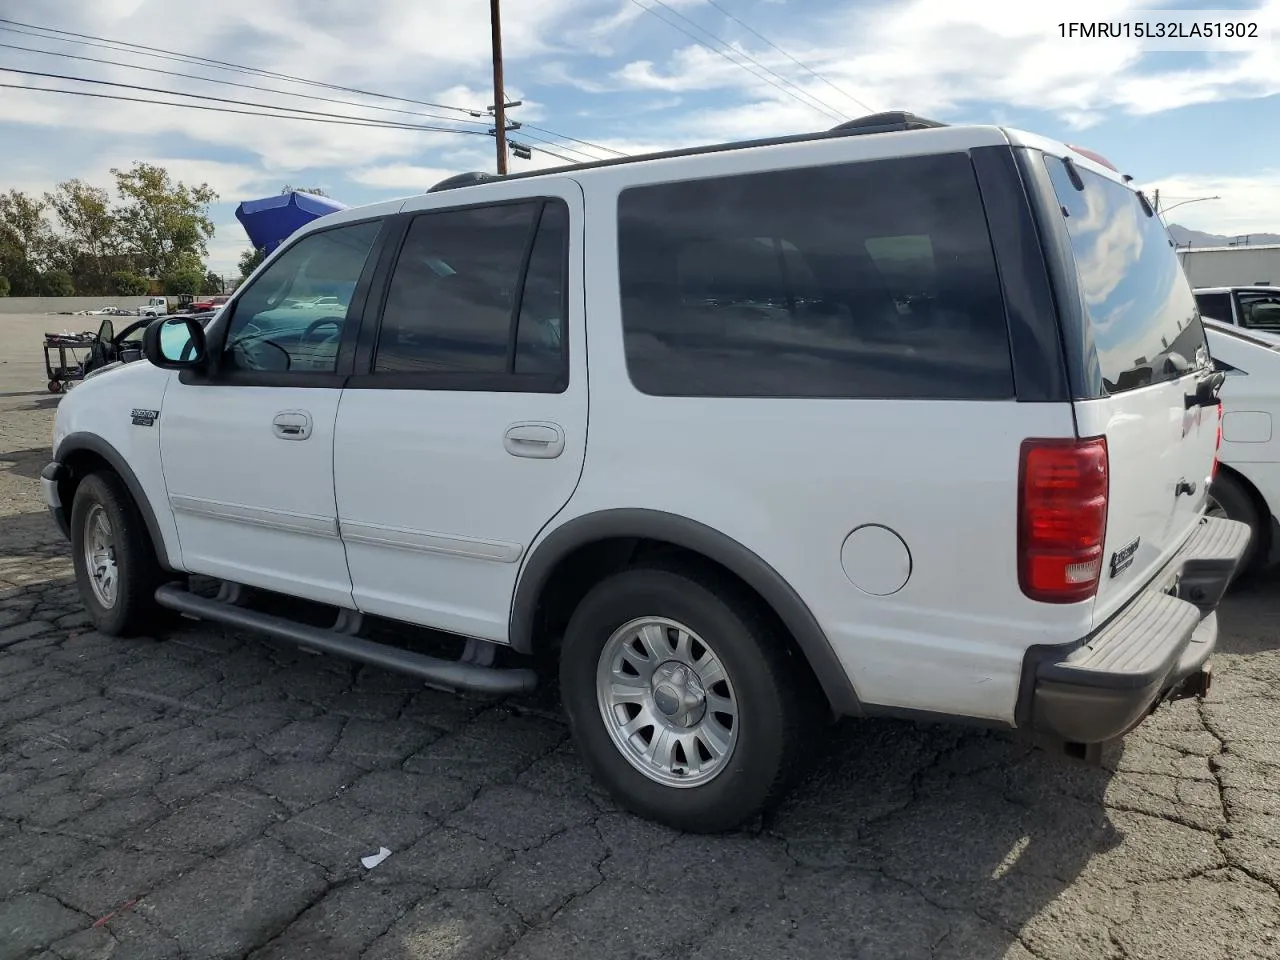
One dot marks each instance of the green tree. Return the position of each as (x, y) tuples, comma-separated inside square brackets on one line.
[(26, 241), (24, 279), (127, 284), (162, 221), (4, 286), (89, 241), (56, 283), (25, 233), (250, 259), (314, 191), (212, 283), (183, 280)]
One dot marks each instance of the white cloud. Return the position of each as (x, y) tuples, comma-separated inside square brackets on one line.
[(225, 248), (1248, 204), (400, 176)]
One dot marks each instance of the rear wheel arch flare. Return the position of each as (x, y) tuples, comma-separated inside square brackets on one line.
[(634, 524)]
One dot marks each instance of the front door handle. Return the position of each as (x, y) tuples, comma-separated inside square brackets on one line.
[(536, 439), (292, 425)]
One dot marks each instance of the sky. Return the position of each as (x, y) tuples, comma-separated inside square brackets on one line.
[(627, 76)]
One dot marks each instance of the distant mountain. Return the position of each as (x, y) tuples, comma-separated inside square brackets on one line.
[(1198, 238)]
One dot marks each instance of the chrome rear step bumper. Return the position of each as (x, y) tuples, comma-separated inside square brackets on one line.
[(452, 674), (1155, 649)]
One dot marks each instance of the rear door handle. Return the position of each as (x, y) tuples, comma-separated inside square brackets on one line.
[(292, 425), (539, 440)]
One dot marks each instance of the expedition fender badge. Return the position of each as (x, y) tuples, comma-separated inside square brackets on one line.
[(145, 418), (1122, 559)]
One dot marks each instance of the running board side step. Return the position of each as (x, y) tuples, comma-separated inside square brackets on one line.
[(454, 674)]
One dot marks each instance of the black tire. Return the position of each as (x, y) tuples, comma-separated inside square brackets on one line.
[(1236, 503), (138, 573), (55, 386), (778, 705)]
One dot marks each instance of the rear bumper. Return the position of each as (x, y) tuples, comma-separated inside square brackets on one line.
[(1156, 649)]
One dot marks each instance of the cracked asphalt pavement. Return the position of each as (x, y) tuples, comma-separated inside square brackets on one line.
[(207, 795)]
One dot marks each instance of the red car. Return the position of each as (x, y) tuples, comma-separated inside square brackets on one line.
[(208, 303)]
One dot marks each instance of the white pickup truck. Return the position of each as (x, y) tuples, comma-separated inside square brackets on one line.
[(154, 307)]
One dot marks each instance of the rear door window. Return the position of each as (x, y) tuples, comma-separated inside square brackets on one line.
[(861, 280), (480, 292), (1215, 306), (1259, 310), (1136, 299)]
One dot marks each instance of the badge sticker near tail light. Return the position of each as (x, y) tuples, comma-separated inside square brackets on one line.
[(1122, 559)]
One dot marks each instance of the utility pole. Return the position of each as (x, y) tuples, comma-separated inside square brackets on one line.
[(499, 94)]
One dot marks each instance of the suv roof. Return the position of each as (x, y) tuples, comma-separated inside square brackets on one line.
[(895, 121)]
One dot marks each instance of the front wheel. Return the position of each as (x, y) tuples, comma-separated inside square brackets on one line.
[(683, 701), (116, 567)]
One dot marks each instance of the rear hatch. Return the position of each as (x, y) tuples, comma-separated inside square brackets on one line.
[(1145, 359)]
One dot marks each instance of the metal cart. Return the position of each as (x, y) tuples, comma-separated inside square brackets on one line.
[(70, 365)]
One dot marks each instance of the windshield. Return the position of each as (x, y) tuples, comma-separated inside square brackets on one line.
[(1137, 301)]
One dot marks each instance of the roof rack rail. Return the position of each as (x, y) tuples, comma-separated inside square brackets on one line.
[(887, 122), (463, 180)]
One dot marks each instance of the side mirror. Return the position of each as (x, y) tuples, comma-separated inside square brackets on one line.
[(175, 343)]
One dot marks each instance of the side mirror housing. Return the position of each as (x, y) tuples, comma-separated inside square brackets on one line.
[(175, 343)]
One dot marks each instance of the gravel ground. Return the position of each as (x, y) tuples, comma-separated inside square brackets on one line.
[(210, 796)]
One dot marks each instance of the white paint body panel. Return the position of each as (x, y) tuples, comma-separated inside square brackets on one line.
[(102, 405), (1153, 443), (1251, 395), (250, 505), (435, 512)]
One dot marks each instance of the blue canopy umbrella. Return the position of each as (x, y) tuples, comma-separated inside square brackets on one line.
[(272, 220)]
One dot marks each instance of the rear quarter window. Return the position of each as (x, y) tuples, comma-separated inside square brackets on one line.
[(861, 280), (1138, 305)]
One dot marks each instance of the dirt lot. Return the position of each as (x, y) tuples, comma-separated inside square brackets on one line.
[(211, 796)]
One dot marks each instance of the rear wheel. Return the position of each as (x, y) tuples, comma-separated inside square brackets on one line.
[(682, 700), (116, 567), (1228, 498)]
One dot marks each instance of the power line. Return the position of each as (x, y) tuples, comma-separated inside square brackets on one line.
[(560, 156), (122, 46), (816, 104), (802, 66), (585, 143), (379, 124), (202, 96), (336, 120), (746, 56), (92, 40), (581, 154), (232, 83)]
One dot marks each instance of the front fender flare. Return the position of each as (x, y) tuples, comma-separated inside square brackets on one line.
[(699, 538), (92, 443)]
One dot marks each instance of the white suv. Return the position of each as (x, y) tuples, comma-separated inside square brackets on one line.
[(895, 419)]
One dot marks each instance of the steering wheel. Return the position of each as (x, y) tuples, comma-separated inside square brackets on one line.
[(335, 322), (263, 355)]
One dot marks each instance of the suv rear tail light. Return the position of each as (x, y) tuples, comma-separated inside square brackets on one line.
[(1062, 518), (1217, 444)]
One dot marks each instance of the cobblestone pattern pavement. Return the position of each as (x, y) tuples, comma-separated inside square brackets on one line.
[(210, 796)]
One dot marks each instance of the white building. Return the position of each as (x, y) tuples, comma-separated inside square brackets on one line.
[(1241, 266)]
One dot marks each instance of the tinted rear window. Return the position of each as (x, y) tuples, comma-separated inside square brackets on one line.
[(1135, 296), (872, 279)]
